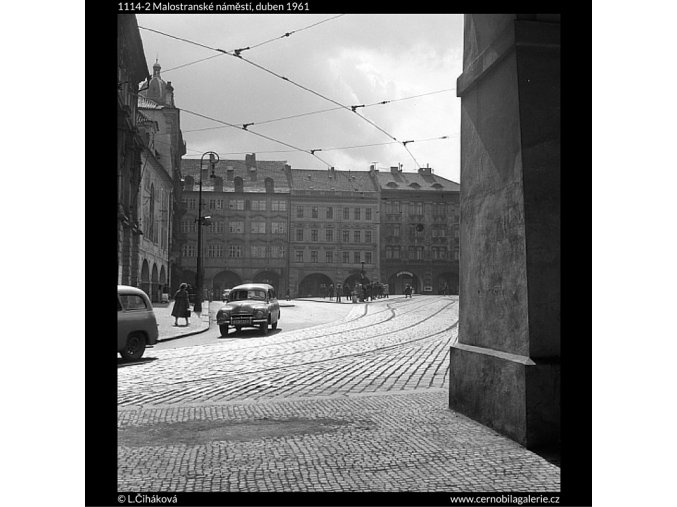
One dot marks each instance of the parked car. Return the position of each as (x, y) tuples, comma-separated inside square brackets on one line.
[(224, 295), (249, 305), (137, 326)]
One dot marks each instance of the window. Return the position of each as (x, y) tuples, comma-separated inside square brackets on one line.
[(258, 205), (235, 251), (367, 236), (133, 302), (392, 252), (439, 232), (356, 236), (299, 212), (257, 227), (188, 226), (270, 185), (393, 207), (239, 184), (367, 257), (438, 209), (279, 205), (236, 204), (212, 203), (329, 256), (455, 254), (313, 235), (191, 203), (277, 251), (188, 250), (278, 227), (346, 257), (329, 234), (219, 204), (346, 236), (299, 234), (314, 212), (357, 213), (356, 257), (259, 251), (416, 208), (330, 213), (396, 230), (236, 227), (313, 256), (215, 251), (367, 214), (439, 252), (299, 255), (220, 226), (346, 213)]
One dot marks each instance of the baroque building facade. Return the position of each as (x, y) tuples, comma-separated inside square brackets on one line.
[(306, 230)]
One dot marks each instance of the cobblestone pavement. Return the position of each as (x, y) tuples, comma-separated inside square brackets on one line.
[(357, 406)]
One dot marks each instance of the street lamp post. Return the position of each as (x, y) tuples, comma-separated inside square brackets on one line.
[(213, 159)]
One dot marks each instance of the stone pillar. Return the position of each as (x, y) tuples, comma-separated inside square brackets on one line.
[(504, 370)]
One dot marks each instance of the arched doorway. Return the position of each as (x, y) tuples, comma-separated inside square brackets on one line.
[(398, 281), (447, 283), (224, 280), (269, 277), (145, 278), (315, 285), (154, 285), (354, 279)]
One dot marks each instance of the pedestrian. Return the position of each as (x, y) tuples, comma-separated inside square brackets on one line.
[(407, 291), (386, 290), (331, 291), (288, 295), (338, 292), (181, 307)]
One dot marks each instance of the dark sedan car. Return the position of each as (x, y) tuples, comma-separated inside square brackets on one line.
[(249, 305)]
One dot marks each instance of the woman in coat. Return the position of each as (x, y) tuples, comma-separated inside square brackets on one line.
[(181, 305)]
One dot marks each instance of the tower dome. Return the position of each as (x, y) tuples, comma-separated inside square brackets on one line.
[(157, 88)]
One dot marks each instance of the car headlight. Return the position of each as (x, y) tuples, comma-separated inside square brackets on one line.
[(259, 313)]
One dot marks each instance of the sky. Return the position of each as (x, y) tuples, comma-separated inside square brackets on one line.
[(350, 59)]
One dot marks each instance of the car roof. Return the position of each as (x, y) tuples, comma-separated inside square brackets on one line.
[(249, 286), (128, 289)]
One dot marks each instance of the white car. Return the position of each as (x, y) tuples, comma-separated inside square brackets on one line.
[(249, 305), (137, 326)]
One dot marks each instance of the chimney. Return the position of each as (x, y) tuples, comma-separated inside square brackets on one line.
[(394, 170), (230, 172), (250, 162), (426, 171)]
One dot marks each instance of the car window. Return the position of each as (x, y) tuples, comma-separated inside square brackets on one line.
[(241, 295), (271, 294), (133, 302)]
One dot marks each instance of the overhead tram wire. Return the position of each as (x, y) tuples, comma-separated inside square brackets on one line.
[(287, 34), (238, 55), (383, 102), (310, 152)]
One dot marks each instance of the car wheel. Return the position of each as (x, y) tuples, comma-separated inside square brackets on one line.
[(224, 329), (135, 347), (264, 328)]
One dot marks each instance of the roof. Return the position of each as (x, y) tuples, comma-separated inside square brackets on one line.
[(307, 179), (415, 181), (264, 169)]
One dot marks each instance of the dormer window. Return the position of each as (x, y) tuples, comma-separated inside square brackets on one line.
[(239, 184), (270, 185)]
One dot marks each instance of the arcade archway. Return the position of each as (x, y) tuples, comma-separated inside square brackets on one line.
[(315, 285), (447, 283), (398, 281), (224, 280), (145, 278), (269, 277), (154, 285)]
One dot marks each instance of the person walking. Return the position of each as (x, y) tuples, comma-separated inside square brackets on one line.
[(407, 291), (181, 307), (339, 289)]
